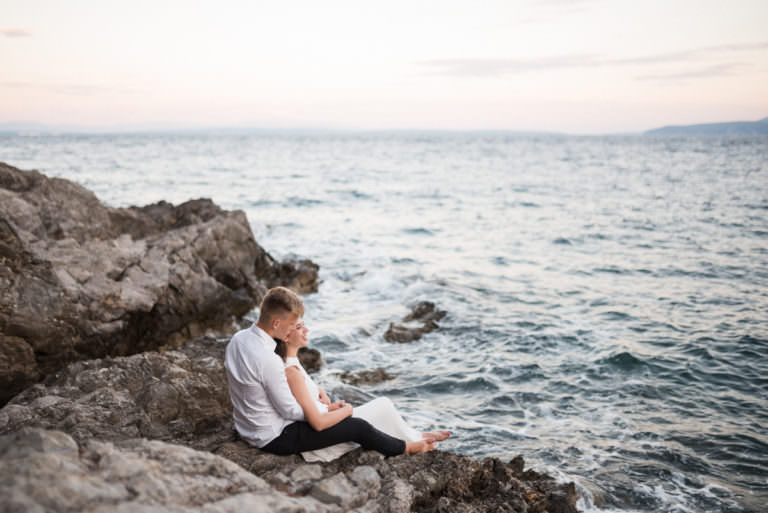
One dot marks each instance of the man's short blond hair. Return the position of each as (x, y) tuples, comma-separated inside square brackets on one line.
[(280, 301)]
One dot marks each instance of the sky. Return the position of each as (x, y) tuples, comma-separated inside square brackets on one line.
[(574, 66)]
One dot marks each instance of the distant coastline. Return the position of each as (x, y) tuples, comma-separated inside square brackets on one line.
[(759, 127), (15, 128)]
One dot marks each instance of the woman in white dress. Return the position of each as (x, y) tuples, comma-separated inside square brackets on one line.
[(322, 414)]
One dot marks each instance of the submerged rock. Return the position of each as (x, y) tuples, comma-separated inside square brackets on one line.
[(365, 377), (81, 280), (89, 415), (422, 319)]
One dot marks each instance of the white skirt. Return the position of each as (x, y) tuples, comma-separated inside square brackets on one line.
[(382, 415)]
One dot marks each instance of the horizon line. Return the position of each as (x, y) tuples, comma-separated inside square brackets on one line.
[(160, 127)]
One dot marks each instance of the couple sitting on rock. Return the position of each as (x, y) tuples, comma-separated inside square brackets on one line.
[(278, 407)]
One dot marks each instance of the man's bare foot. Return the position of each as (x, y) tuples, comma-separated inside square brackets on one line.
[(436, 436), (420, 446)]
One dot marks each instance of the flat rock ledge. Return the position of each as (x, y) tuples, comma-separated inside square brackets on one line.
[(152, 432), (80, 280)]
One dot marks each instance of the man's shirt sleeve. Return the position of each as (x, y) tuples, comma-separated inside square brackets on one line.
[(279, 393)]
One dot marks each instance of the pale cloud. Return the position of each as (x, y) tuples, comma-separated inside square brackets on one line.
[(69, 89), (16, 85), (15, 32), (694, 54), (498, 67), (718, 70)]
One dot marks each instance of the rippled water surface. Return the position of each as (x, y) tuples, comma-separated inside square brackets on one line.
[(607, 297)]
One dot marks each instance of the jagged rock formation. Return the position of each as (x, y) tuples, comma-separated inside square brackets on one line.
[(87, 419), (82, 280)]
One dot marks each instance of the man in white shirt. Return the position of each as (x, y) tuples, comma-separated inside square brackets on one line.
[(265, 412)]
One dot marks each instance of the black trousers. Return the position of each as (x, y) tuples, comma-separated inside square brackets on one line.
[(300, 437)]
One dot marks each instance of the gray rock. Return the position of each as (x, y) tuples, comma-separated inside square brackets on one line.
[(168, 395), (397, 496), (366, 377), (372, 506), (422, 319), (337, 489), (47, 471), (351, 394), (267, 503), (310, 359), (181, 396), (281, 479), (367, 479), (307, 473), (81, 280)]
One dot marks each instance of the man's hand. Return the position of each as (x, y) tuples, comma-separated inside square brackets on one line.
[(336, 405)]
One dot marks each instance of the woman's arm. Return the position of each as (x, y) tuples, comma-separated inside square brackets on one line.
[(323, 396), (317, 420)]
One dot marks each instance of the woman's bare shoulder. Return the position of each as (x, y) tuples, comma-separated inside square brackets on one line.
[(293, 374)]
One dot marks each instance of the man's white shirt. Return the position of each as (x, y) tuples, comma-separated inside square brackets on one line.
[(262, 401)]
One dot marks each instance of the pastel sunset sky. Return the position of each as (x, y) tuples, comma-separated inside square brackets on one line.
[(579, 66)]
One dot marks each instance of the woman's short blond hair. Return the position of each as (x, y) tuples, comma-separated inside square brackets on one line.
[(280, 301)]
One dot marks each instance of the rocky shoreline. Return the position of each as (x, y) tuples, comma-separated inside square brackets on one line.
[(82, 280), (117, 399)]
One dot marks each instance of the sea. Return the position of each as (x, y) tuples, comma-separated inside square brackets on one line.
[(606, 296)]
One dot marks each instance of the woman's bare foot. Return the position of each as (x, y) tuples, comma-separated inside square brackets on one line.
[(436, 436), (418, 447)]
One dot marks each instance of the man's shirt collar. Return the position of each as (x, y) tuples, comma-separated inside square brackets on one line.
[(269, 342)]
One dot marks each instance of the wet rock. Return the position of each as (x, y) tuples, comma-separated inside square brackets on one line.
[(310, 359), (298, 275), (422, 319), (561, 500), (80, 280), (351, 394), (365, 377), (463, 484)]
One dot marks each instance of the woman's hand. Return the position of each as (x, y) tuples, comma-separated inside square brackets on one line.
[(336, 405), (324, 397)]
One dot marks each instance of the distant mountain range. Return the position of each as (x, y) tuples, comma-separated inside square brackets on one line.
[(731, 128)]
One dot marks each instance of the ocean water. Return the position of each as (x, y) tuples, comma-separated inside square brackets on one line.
[(607, 297)]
